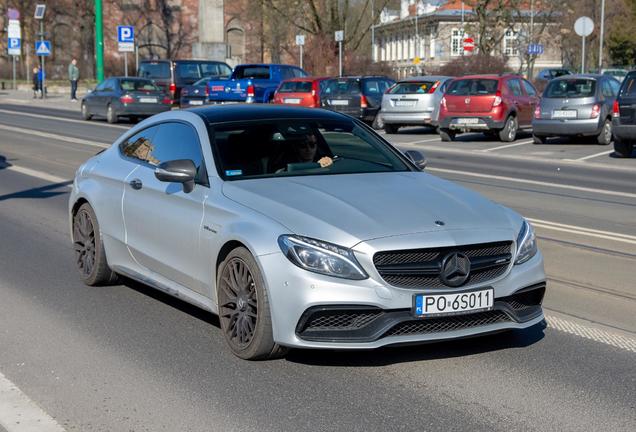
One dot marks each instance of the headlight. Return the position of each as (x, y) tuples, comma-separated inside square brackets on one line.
[(526, 243), (321, 257)]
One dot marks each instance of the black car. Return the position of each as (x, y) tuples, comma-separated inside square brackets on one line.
[(624, 117), (197, 93), (173, 75), (125, 97), (357, 96)]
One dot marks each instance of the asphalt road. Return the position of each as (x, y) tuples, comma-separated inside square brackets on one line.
[(127, 358)]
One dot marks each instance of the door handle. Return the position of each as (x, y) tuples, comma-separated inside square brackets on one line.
[(136, 184)]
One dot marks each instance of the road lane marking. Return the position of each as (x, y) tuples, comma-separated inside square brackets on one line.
[(18, 413), (582, 229), (603, 153), (588, 332), (53, 136), (38, 174), (622, 238), (50, 117), (534, 182), (520, 143)]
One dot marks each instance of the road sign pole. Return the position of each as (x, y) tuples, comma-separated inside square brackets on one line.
[(340, 58), (43, 89), (600, 49), (125, 64), (14, 82), (136, 58), (583, 56), (301, 56), (99, 42)]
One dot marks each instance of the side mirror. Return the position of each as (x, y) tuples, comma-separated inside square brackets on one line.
[(178, 171), (417, 158)]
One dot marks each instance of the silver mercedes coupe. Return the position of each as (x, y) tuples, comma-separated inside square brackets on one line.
[(301, 228)]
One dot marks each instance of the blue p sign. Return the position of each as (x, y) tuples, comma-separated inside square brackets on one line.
[(14, 43), (125, 34)]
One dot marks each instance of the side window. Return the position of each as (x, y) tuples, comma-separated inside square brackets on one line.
[(529, 88), (606, 89), (140, 146), (616, 86), (110, 85), (286, 73), (101, 86), (372, 87), (299, 73), (515, 87)]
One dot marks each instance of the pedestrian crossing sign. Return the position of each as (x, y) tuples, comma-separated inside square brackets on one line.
[(43, 48)]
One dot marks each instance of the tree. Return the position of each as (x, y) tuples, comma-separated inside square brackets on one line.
[(492, 19)]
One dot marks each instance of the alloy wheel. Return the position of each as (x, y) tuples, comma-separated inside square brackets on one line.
[(84, 243), (512, 133), (238, 303)]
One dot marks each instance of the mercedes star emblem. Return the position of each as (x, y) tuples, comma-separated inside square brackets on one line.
[(455, 269)]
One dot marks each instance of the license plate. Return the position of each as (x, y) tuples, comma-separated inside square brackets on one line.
[(427, 305), (468, 121), (291, 101), (564, 114), (339, 102), (196, 102), (404, 103), (147, 100)]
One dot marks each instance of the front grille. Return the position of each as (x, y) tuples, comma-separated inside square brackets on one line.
[(400, 268), (345, 320), (450, 323)]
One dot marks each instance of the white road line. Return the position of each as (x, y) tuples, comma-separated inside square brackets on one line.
[(520, 143), (48, 117), (38, 174), (418, 141), (592, 333), (603, 153), (581, 229), (534, 182), (18, 413), (52, 136), (584, 233)]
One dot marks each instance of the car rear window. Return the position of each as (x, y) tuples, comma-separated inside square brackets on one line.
[(254, 72), (295, 87), (629, 87), (342, 87), (137, 85), (412, 87), (570, 88), (473, 87), (154, 70)]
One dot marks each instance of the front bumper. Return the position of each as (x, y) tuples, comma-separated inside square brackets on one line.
[(485, 123), (424, 118), (549, 127), (297, 295)]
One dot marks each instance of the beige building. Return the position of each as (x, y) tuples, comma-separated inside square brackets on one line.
[(434, 31)]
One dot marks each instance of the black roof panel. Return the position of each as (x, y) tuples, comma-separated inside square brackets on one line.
[(247, 112)]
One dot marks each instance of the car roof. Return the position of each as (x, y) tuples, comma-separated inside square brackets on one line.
[(248, 112), (132, 78), (490, 76), (575, 76), (425, 77), (358, 77), (307, 78)]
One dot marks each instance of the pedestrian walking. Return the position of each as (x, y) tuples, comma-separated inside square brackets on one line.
[(36, 82), (41, 76), (73, 76)]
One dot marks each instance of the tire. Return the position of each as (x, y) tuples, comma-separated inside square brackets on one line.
[(90, 255), (86, 115), (247, 328), (623, 148), (538, 139), (509, 132), (605, 137), (391, 128), (447, 135), (133, 119), (111, 115), (378, 122)]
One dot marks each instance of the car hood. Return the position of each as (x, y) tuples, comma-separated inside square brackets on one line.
[(350, 208)]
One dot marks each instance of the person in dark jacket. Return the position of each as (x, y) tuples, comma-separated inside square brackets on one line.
[(36, 82)]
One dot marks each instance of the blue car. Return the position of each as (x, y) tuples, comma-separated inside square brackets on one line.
[(196, 94)]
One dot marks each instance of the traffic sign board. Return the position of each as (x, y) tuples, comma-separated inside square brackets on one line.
[(43, 48), (584, 26), (339, 35), (13, 29), (535, 49), (125, 34), (469, 44), (300, 39), (14, 46)]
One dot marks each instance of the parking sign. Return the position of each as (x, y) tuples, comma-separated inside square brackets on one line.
[(14, 46), (126, 38)]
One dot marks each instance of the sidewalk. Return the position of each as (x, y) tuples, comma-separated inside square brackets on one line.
[(53, 100)]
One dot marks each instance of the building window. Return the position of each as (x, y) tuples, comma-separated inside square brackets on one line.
[(457, 42), (510, 43)]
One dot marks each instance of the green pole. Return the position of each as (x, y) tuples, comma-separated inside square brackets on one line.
[(99, 41)]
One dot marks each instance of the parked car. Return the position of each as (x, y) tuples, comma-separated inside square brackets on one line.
[(551, 73), (300, 91), (125, 97), (173, 75), (252, 83), (357, 96), (413, 102), (498, 105), (624, 117), (576, 105), (618, 74), (197, 93), (220, 207)]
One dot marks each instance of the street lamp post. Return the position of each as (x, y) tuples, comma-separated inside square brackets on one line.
[(99, 42), (600, 51)]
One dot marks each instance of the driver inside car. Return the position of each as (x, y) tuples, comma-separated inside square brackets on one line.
[(305, 151)]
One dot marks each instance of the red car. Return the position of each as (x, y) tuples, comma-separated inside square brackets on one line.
[(498, 105), (300, 91)]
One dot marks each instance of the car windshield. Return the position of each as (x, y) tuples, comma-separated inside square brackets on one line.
[(137, 85), (295, 87), (284, 148), (154, 70), (411, 87), (472, 87), (570, 88), (629, 87), (341, 87)]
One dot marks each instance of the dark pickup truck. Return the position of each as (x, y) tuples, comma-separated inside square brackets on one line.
[(252, 83)]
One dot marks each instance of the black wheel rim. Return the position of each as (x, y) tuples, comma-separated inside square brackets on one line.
[(84, 243), (238, 303)]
